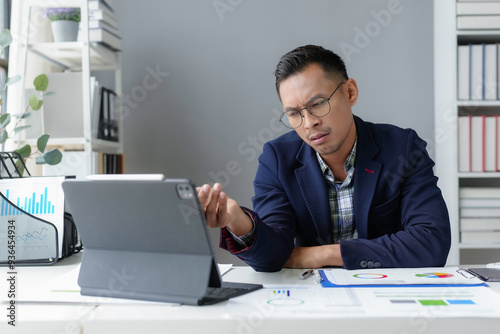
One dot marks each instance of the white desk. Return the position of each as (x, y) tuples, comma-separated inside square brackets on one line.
[(235, 316)]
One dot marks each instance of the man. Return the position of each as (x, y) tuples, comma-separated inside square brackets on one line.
[(336, 191)]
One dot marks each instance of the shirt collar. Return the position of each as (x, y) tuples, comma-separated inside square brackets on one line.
[(348, 165)]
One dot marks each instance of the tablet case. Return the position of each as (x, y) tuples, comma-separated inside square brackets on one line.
[(143, 240)]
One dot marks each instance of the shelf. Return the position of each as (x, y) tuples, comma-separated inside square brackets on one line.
[(68, 55), (78, 144), (478, 103), (478, 175), (480, 246)]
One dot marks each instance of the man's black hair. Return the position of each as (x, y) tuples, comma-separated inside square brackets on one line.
[(298, 59)]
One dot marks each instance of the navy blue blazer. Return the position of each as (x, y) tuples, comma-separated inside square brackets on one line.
[(399, 212)]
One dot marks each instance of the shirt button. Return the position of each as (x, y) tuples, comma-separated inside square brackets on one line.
[(362, 264)]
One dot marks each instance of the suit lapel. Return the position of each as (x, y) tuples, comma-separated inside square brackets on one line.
[(314, 192), (367, 173)]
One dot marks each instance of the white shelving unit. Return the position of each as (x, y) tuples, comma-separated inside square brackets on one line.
[(446, 109), (81, 57)]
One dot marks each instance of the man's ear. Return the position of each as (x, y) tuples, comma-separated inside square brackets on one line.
[(351, 91)]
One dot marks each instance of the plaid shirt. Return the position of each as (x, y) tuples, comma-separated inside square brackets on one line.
[(341, 208), (341, 196)]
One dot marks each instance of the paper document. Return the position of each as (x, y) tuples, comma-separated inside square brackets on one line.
[(398, 276), (293, 301), (42, 197)]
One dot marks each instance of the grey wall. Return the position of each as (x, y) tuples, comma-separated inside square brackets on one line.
[(217, 105)]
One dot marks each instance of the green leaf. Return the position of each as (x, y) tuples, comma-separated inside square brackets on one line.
[(4, 120), (24, 151), (5, 39), (20, 167), (35, 103), (20, 128), (3, 136), (41, 82), (41, 143), (23, 115), (48, 94), (52, 157), (13, 80)]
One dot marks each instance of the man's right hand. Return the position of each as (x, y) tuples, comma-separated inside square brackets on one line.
[(222, 211)]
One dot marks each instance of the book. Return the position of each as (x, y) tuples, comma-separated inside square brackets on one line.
[(478, 22), (472, 212), (478, 8), (464, 127), (105, 37), (497, 138), (95, 98), (490, 143), (463, 72), (108, 128), (103, 15), (479, 224), (99, 24), (477, 143), (498, 71), (490, 71), (476, 72), (99, 4), (480, 237), (479, 202), (479, 192)]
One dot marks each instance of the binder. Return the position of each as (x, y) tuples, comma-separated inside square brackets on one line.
[(35, 228), (108, 117)]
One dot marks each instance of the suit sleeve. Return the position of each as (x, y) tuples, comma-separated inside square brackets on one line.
[(274, 239), (423, 238)]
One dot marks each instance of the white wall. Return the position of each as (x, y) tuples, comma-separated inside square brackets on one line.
[(217, 104)]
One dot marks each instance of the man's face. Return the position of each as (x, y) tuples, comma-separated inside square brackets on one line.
[(334, 132)]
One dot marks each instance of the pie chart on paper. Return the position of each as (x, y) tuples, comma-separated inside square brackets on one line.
[(435, 275)]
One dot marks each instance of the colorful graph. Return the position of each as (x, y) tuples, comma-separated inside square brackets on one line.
[(435, 275), (35, 204), (369, 276), (35, 235), (283, 298)]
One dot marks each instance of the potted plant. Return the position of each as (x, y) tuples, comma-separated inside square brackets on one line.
[(51, 157), (65, 23)]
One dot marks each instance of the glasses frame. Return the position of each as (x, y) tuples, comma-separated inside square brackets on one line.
[(310, 113)]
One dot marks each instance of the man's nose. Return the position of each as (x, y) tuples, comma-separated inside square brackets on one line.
[(309, 120)]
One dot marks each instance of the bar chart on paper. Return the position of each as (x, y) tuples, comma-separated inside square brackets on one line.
[(35, 205)]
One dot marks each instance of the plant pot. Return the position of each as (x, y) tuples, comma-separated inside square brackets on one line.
[(65, 30)]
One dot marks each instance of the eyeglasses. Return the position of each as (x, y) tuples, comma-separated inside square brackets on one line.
[(319, 107)]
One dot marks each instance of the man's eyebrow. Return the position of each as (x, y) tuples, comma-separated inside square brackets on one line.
[(308, 101)]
